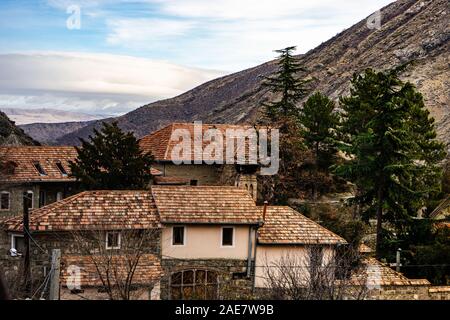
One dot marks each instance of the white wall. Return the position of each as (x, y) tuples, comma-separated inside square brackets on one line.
[(269, 256), (205, 242)]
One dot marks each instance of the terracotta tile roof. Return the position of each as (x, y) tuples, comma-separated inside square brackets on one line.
[(364, 248), (205, 204), (23, 159), (284, 225), (376, 273), (148, 269), (93, 210), (160, 143)]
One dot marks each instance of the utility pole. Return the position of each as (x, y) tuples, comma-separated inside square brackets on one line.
[(4, 292), (397, 264), (26, 237), (54, 277)]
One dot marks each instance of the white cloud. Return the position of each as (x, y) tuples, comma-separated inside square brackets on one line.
[(91, 81), (263, 9), (236, 34), (140, 31)]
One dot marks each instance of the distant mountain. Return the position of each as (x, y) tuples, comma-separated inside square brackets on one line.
[(48, 133), (410, 30), (45, 115), (11, 135)]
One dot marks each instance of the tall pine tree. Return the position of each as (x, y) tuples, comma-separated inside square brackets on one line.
[(111, 160), (286, 84), (391, 140), (287, 89)]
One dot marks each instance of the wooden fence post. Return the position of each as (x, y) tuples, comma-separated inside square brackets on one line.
[(54, 277)]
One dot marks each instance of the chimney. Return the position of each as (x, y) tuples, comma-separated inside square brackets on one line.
[(264, 211)]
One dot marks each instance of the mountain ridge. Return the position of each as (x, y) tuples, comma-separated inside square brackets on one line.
[(237, 98), (11, 135)]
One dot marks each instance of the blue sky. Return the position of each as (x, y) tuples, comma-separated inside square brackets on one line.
[(130, 52)]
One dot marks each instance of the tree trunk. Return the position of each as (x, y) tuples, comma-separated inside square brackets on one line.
[(316, 171), (379, 219)]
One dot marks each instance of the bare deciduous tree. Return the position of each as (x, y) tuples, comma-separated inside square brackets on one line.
[(317, 275), (116, 266)]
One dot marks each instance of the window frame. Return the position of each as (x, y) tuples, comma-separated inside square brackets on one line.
[(184, 236), (42, 172), (9, 200), (195, 284), (61, 168), (42, 198), (13, 241), (119, 240), (233, 237), (32, 199)]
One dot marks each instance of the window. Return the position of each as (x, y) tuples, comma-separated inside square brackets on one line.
[(61, 168), (112, 240), (194, 182), (18, 243), (227, 236), (42, 198), (194, 284), (30, 199), (39, 168), (178, 235), (59, 196), (5, 201)]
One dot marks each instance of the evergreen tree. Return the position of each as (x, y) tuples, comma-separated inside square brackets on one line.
[(286, 83), (282, 113), (393, 148), (319, 122), (111, 160)]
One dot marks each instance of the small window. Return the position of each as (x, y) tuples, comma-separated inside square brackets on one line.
[(194, 182), (227, 236), (42, 198), (59, 196), (30, 199), (113, 240), (178, 236), (5, 201), (18, 243), (61, 168), (39, 168)]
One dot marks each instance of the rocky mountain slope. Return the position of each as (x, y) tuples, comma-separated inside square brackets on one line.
[(11, 135), (410, 30), (48, 133)]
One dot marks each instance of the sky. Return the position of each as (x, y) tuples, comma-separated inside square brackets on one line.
[(113, 56)]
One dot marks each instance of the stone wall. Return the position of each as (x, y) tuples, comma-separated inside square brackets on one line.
[(204, 174), (412, 292), (233, 282), (49, 189), (41, 251), (439, 293)]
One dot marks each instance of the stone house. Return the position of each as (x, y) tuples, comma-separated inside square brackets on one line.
[(205, 239), (193, 242), (42, 172), (92, 228), (195, 165), (289, 236)]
